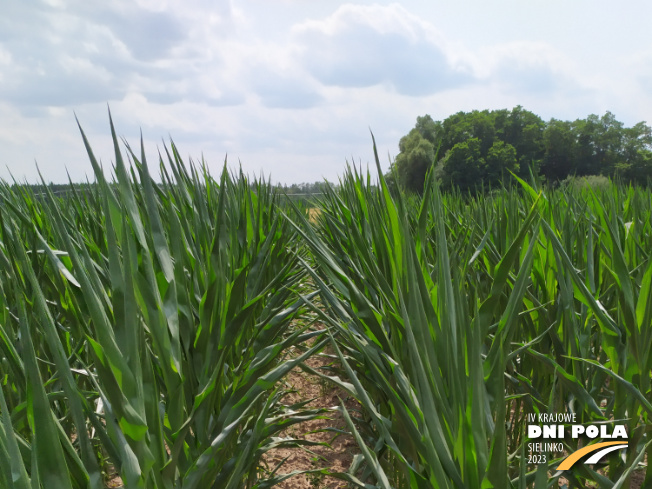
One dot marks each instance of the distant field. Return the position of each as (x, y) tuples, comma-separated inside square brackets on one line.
[(313, 214)]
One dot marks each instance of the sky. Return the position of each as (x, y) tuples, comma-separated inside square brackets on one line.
[(292, 89)]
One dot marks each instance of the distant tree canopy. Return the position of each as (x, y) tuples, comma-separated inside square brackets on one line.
[(473, 149), (305, 193)]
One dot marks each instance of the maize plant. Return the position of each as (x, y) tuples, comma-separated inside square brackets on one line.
[(458, 318), (145, 328)]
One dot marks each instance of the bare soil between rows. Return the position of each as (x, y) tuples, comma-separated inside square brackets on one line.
[(336, 457)]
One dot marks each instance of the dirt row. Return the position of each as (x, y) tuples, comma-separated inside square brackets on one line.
[(338, 455)]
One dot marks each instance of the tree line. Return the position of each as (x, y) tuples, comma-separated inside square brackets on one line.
[(305, 192), (477, 149)]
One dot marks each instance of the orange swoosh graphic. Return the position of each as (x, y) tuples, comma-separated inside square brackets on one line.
[(575, 456)]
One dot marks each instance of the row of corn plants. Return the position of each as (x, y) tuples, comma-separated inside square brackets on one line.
[(146, 329), (455, 317)]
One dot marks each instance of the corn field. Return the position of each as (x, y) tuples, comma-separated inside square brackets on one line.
[(147, 328)]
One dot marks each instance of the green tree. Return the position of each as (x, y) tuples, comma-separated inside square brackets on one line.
[(482, 145), (463, 166), (501, 158), (584, 152), (599, 144), (558, 140), (609, 143), (636, 164), (467, 125), (429, 129), (525, 132), (416, 156)]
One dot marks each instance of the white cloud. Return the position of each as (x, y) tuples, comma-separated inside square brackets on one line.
[(363, 46), (287, 87)]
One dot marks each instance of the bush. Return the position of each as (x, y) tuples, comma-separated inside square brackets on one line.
[(594, 182)]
